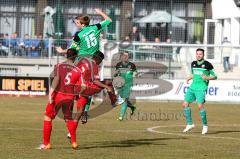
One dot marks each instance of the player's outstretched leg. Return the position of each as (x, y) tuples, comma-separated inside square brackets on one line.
[(188, 115), (131, 106), (123, 111), (203, 115), (84, 116), (87, 106)]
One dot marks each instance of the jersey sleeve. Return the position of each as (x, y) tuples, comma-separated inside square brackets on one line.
[(209, 66), (211, 70), (75, 42), (104, 24), (133, 67), (192, 67), (212, 73)]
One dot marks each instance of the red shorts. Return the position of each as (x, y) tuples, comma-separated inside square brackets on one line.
[(81, 102), (60, 101)]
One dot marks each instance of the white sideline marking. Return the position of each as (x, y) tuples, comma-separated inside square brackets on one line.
[(151, 129)]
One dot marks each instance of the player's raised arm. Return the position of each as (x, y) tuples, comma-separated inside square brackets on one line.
[(100, 84), (104, 15)]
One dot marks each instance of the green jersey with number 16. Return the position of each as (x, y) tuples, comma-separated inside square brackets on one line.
[(86, 41)]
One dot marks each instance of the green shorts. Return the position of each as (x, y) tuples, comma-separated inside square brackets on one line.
[(125, 91), (195, 95)]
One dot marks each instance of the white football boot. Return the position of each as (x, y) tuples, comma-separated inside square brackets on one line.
[(188, 127), (204, 129)]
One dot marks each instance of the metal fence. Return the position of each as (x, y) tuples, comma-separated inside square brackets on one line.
[(140, 51), (39, 56), (31, 48), (31, 29)]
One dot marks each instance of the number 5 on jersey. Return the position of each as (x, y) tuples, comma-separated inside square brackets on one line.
[(68, 78)]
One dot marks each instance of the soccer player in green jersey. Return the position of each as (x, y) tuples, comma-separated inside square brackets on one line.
[(126, 70), (86, 41), (202, 72)]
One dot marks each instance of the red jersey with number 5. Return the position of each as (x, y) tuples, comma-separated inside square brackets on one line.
[(63, 71)]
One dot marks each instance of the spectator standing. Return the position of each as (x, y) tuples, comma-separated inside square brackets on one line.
[(135, 35), (226, 53)]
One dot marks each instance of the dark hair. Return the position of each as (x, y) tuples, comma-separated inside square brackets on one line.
[(124, 52), (83, 19), (98, 54), (71, 54), (199, 49)]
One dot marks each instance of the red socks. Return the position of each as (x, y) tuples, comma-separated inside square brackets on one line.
[(72, 127), (47, 129)]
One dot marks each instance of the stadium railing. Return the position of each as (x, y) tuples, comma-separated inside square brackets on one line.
[(175, 56)]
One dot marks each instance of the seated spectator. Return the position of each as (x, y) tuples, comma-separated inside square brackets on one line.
[(168, 40), (41, 45), (3, 49), (34, 48), (146, 47), (26, 46), (157, 40), (127, 38), (13, 44), (6, 40)]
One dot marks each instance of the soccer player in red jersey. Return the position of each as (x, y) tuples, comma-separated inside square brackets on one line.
[(88, 80), (87, 74), (60, 94)]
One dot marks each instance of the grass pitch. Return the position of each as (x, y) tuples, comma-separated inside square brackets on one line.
[(104, 137)]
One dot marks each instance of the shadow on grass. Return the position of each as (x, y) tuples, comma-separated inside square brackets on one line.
[(128, 143), (225, 131)]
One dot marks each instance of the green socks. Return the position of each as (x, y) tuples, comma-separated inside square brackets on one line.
[(187, 112), (203, 116), (202, 113), (87, 106), (123, 109)]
